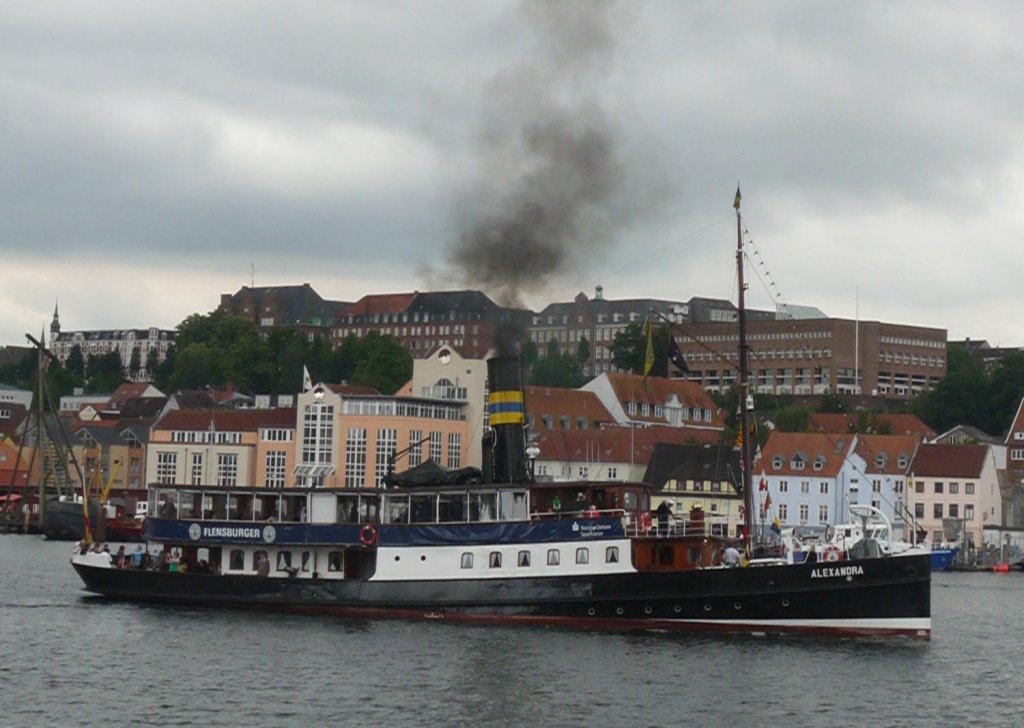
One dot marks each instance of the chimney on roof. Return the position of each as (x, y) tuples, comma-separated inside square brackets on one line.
[(599, 293)]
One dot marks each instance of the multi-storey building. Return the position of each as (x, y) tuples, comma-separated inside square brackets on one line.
[(424, 322), (352, 439), (955, 492), (886, 459), (809, 478), (818, 356), (222, 447), (273, 306), (638, 401), (598, 320), (152, 345)]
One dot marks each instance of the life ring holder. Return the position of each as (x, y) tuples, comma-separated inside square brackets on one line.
[(831, 553), (368, 535)]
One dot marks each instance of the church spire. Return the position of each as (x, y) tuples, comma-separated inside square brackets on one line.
[(55, 324)]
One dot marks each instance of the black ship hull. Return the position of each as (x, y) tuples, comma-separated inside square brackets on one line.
[(883, 596)]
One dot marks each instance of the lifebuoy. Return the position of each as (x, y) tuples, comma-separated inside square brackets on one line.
[(645, 522), (831, 553), (368, 535)]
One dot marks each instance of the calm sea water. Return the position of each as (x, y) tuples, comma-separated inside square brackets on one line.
[(66, 658)]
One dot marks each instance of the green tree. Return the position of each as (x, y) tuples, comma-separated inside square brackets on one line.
[(959, 398), (104, 372), (136, 362), (1004, 391), (558, 370), (793, 419), (629, 349), (382, 363), (76, 362)]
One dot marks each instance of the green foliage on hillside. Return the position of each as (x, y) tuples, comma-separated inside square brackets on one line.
[(970, 396), (558, 368)]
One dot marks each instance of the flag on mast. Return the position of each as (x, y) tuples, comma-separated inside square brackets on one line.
[(307, 381), (739, 198), (649, 355), (675, 355)]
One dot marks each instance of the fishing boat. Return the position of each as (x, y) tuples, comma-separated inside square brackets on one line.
[(493, 545), (871, 530)]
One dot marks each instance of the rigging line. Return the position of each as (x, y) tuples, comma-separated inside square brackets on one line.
[(645, 258), (691, 337)]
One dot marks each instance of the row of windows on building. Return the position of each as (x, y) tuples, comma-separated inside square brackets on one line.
[(903, 341), (226, 472), (890, 357), (941, 510), (940, 487), (459, 330), (823, 486)]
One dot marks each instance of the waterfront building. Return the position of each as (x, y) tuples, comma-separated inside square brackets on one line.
[(955, 491), (112, 452), (12, 395), (350, 437), (810, 477), (223, 447), (609, 453), (886, 461)]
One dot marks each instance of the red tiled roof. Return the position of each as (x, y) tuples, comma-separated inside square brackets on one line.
[(379, 303), (659, 390), (891, 448), (248, 420), (811, 447), (949, 461), (612, 444), (571, 403)]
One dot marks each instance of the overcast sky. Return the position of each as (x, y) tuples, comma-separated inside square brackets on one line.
[(156, 155)]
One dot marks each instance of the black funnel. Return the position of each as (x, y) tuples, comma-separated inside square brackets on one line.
[(507, 419)]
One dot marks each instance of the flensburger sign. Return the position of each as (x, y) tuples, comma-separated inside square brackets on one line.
[(219, 532)]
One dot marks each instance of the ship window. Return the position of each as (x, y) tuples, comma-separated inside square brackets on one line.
[(307, 560), (524, 558), (611, 555), (553, 557), (334, 561), (257, 556), (494, 560), (467, 560), (582, 556), (236, 560), (284, 560)]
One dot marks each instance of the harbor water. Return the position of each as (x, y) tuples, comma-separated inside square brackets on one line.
[(67, 658)]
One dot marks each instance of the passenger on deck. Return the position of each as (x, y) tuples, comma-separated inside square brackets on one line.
[(353, 514), (137, 557), (664, 512), (731, 557), (263, 566), (120, 557)]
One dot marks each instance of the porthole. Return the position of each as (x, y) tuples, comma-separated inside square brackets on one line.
[(423, 557), (737, 606), (707, 607), (591, 612), (785, 602), (648, 610), (618, 611), (677, 609), (398, 558)]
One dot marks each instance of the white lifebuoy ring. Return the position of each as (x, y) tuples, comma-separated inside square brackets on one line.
[(831, 553)]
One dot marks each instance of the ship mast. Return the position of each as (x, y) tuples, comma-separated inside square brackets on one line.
[(744, 389)]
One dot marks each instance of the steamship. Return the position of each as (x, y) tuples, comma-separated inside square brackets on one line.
[(492, 545)]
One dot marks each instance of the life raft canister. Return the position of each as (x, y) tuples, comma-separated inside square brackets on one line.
[(368, 535), (832, 553)]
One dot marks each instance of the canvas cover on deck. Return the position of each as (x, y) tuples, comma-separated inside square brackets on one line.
[(430, 473)]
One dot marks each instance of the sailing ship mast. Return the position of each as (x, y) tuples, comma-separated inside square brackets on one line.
[(746, 466)]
